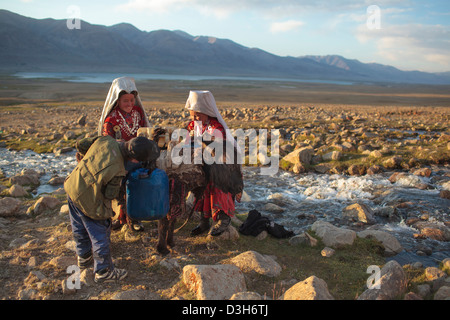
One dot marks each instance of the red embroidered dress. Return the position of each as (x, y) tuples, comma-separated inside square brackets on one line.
[(122, 125), (214, 199)]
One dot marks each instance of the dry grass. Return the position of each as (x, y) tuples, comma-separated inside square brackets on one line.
[(228, 93)]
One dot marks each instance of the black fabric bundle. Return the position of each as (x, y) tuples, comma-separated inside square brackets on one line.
[(256, 223)]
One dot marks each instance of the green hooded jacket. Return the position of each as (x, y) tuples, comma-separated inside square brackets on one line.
[(96, 179)]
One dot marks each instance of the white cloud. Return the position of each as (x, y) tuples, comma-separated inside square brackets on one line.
[(285, 26), (220, 9), (152, 6), (411, 46)]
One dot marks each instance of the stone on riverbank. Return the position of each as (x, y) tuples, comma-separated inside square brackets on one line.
[(214, 282), (43, 204), (301, 155), (312, 288), (390, 243), (359, 212), (253, 261), (17, 191), (333, 236)]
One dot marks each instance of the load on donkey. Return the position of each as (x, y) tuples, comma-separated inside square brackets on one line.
[(215, 184)]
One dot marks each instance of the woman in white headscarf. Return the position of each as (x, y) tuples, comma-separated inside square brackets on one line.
[(122, 116), (215, 203), (123, 113)]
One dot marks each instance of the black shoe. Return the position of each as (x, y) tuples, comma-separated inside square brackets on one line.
[(114, 275), (202, 227), (221, 225), (85, 261)]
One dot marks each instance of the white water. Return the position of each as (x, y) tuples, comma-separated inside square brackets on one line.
[(309, 197), (47, 164), (305, 198)]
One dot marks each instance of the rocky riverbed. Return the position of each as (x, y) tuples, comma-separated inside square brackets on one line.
[(378, 172)]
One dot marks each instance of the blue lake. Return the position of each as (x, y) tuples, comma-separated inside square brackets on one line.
[(109, 77)]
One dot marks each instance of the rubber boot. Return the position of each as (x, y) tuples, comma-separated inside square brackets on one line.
[(221, 225), (202, 227)]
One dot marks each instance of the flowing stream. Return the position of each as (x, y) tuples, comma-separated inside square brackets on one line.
[(303, 199)]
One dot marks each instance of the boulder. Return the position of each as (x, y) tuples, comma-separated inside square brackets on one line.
[(356, 170), (253, 261), (69, 135), (359, 212), (374, 170), (9, 206), (333, 155), (376, 154), (303, 239), (333, 236), (389, 242), (321, 168), (433, 230), (64, 209), (423, 290), (45, 203), (327, 252), (273, 208), (423, 172), (299, 168), (214, 282), (446, 264), (301, 155), (390, 284), (412, 296), (58, 151), (433, 274), (443, 293), (444, 194), (82, 120), (312, 288), (17, 191), (54, 181), (62, 262), (25, 179), (393, 163)]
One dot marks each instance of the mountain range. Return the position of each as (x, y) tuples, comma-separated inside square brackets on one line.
[(48, 45)]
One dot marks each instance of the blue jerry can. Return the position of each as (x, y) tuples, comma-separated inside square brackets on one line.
[(147, 195)]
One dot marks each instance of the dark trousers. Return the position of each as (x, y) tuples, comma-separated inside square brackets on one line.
[(91, 236)]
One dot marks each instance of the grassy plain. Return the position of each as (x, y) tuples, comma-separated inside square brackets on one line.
[(17, 91)]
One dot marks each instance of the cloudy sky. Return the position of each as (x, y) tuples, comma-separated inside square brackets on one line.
[(407, 34)]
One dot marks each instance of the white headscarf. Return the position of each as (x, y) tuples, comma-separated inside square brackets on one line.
[(203, 101), (120, 84)]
